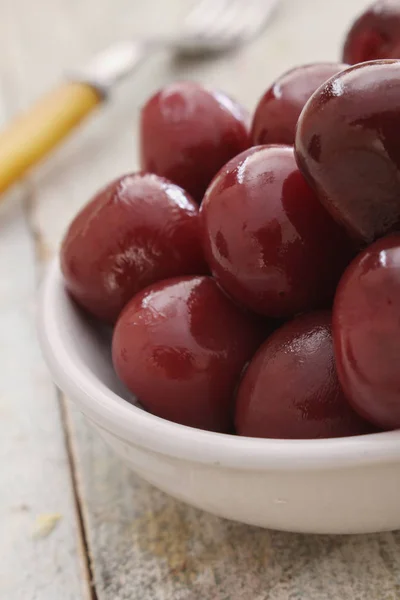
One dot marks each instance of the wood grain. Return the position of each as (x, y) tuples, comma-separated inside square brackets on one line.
[(144, 545), (41, 554)]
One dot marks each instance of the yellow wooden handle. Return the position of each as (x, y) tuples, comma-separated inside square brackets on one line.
[(33, 135)]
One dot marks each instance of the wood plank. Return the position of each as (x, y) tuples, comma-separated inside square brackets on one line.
[(144, 545), (148, 546), (41, 555)]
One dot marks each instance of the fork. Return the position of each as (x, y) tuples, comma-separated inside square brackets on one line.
[(210, 28)]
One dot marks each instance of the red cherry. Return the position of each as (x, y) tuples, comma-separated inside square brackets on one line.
[(267, 239), (375, 34), (180, 346), (188, 133), (291, 389), (138, 230), (366, 329), (347, 146), (277, 112)]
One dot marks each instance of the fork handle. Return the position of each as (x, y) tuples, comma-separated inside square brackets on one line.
[(30, 137)]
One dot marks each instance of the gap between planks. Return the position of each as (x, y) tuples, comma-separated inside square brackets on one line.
[(83, 538), (42, 255)]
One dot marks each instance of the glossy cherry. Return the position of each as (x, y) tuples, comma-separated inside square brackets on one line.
[(137, 230), (180, 347), (268, 241), (347, 146), (290, 388), (188, 133), (375, 34), (366, 328), (277, 112)]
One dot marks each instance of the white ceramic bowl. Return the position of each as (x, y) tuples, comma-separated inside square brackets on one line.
[(346, 485)]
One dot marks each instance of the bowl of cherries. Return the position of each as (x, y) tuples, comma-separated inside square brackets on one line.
[(228, 316)]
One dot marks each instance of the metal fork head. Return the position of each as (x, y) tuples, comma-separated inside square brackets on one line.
[(212, 26), (220, 25)]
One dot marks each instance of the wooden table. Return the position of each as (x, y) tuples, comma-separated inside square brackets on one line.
[(75, 523)]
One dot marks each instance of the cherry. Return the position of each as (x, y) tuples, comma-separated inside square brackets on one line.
[(277, 112), (267, 239), (290, 388), (188, 133), (366, 329), (375, 34), (137, 230), (180, 346), (347, 147)]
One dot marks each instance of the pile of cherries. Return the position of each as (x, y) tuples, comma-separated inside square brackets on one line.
[(252, 274)]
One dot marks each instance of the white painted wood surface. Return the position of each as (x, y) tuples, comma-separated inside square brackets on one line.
[(141, 545), (41, 553)]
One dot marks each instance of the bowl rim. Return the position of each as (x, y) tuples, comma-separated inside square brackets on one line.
[(135, 426)]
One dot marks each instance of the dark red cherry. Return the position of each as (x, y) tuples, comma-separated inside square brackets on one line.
[(375, 34), (290, 388), (137, 230), (347, 146), (268, 241), (366, 330), (277, 112), (180, 347), (188, 133)]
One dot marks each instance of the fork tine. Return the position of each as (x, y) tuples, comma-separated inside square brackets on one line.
[(204, 12), (250, 18), (211, 19), (261, 16), (256, 14), (233, 11), (237, 22), (219, 24)]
